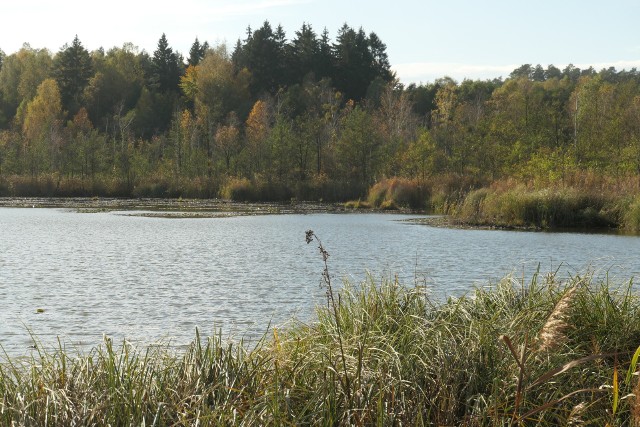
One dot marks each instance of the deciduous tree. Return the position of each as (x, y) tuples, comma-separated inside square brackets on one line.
[(20, 77), (116, 86), (42, 127)]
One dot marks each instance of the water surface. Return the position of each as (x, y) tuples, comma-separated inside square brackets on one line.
[(149, 279)]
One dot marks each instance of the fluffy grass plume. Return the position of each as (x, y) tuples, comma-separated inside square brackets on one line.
[(552, 333)]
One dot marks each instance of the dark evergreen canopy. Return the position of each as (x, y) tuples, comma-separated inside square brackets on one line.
[(353, 62), (166, 67), (72, 70), (197, 52)]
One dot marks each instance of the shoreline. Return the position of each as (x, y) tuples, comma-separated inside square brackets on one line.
[(220, 208), (185, 208), (444, 221)]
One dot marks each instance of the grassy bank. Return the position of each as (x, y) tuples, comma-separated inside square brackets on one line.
[(257, 189), (543, 353), (583, 201), (603, 204)]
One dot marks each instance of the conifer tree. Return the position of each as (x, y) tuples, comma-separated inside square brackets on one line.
[(72, 70), (197, 52), (166, 68), (325, 56), (263, 54), (304, 53), (381, 65)]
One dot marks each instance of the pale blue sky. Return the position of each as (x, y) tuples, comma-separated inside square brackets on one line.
[(425, 39)]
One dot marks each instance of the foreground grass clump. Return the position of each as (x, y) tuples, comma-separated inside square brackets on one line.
[(543, 353)]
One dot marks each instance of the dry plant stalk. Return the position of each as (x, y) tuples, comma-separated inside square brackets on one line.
[(552, 333), (575, 416)]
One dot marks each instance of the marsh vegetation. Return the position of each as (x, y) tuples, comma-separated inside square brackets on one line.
[(538, 353)]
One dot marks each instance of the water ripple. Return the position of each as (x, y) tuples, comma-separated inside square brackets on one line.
[(151, 279)]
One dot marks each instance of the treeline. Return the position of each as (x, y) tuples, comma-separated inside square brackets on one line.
[(308, 117)]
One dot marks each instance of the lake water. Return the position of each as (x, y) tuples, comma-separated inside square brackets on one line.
[(80, 276)]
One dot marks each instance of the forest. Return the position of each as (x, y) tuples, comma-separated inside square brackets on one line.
[(306, 118)]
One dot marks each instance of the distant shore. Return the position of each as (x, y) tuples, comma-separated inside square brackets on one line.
[(179, 208)]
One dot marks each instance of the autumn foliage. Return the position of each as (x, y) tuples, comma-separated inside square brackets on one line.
[(309, 118)]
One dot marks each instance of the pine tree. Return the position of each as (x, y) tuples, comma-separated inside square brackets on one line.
[(237, 57), (359, 61)]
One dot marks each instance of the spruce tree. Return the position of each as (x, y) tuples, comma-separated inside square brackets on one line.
[(197, 52), (359, 61), (381, 64), (72, 70), (263, 54), (166, 68), (325, 66), (304, 54)]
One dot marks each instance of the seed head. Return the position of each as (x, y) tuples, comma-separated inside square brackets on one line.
[(309, 236)]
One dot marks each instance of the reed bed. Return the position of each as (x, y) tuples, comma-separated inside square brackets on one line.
[(544, 208), (542, 353), (394, 193), (582, 201)]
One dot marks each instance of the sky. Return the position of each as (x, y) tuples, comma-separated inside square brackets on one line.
[(426, 39)]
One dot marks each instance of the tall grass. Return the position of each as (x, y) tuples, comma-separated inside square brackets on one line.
[(520, 206), (258, 189), (583, 200), (315, 188), (543, 353), (394, 193), (631, 221), (436, 194)]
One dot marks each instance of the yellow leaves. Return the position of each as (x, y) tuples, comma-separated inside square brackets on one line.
[(446, 100), (213, 85), (258, 122), (43, 112), (189, 82), (81, 121), (186, 120), (227, 136)]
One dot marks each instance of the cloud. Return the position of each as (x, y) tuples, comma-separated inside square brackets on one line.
[(423, 72), (417, 72), (618, 65)]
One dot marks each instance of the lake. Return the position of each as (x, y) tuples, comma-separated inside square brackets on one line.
[(80, 276)]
